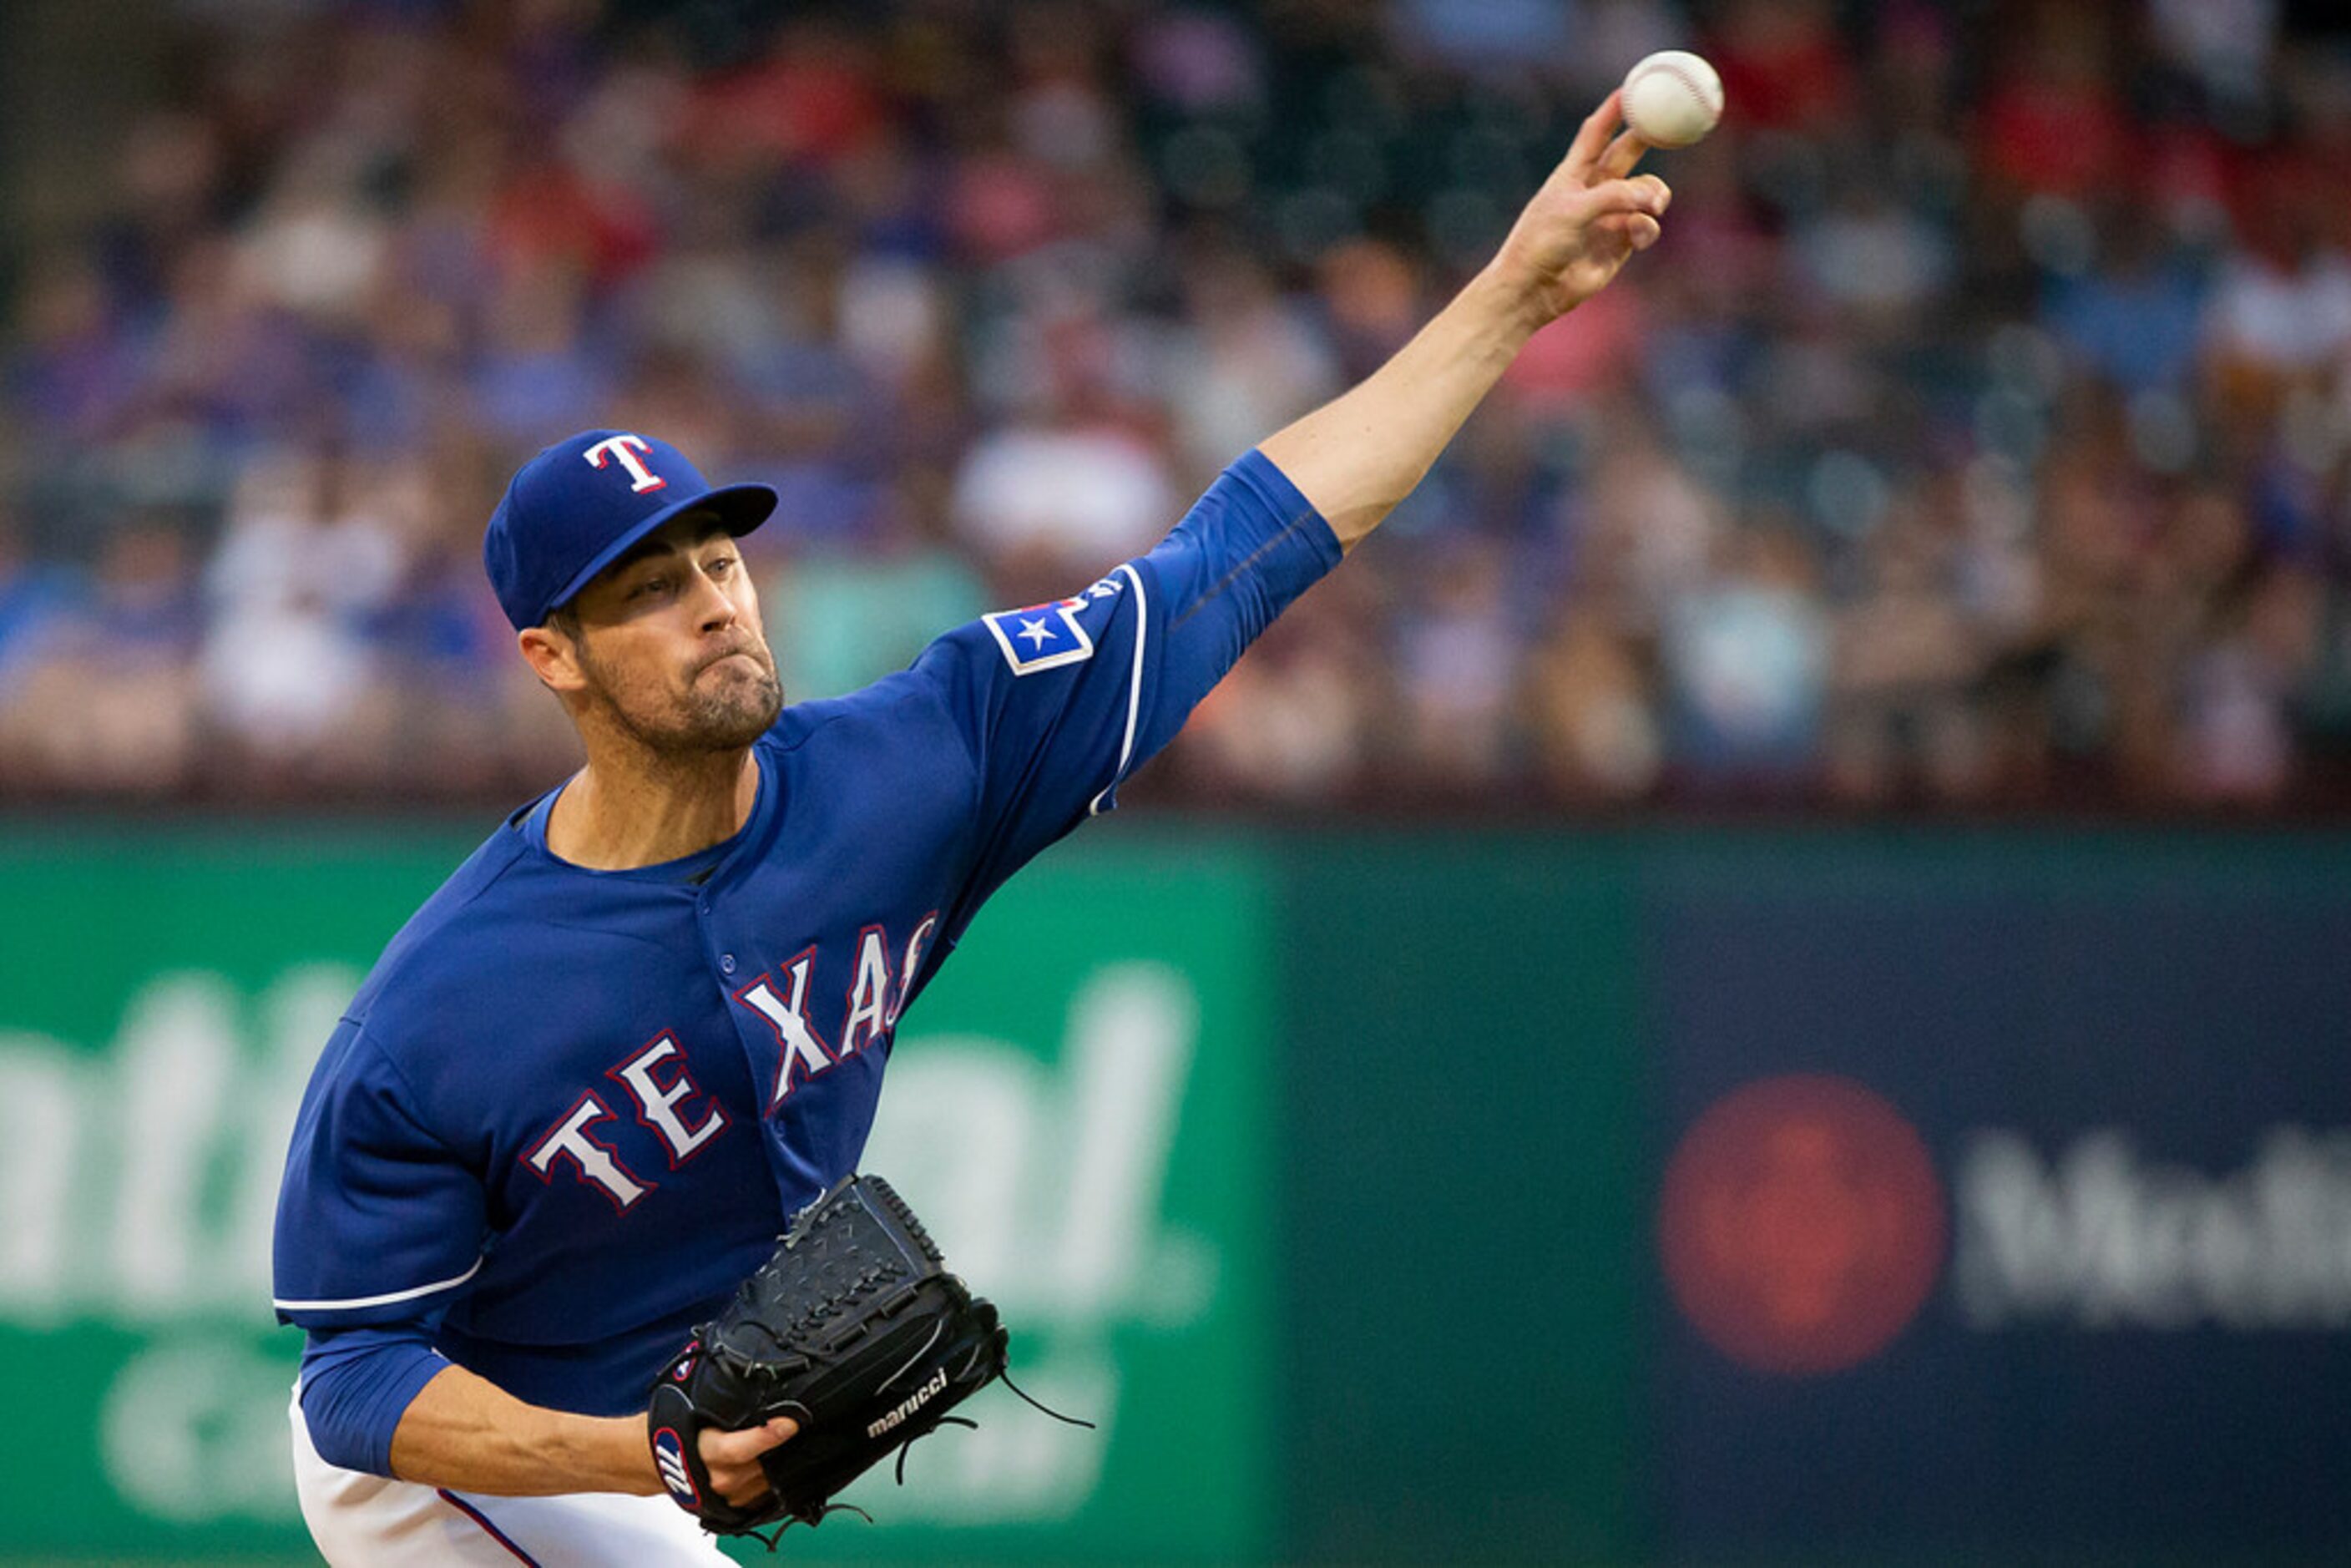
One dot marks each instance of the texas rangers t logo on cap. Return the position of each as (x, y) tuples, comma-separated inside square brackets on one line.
[(643, 477), (557, 525)]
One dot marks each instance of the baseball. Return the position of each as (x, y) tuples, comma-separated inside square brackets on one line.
[(1672, 98)]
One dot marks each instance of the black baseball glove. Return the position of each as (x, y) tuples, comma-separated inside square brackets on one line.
[(856, 1330)]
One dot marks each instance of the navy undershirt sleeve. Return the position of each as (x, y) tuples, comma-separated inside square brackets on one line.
[(356, 1386)]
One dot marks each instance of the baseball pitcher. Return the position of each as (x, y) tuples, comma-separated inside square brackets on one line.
[(593, 1079)]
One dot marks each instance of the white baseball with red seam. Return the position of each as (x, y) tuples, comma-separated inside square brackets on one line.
[(1672, 98)]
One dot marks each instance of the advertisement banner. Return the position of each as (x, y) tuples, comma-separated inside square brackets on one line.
[(2004, 1206), (1076, 1108), (161, 999)]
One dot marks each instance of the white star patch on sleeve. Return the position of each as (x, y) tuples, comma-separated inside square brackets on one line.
[(1041, 636)]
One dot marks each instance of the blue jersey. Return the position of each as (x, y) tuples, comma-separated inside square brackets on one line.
[(570, 1110)]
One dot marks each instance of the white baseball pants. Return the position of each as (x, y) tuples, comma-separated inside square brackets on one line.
[(361, 1521)]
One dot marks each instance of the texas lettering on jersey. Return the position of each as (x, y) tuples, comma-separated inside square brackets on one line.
[(660, 1087), (595, 1161), (869, 1012)]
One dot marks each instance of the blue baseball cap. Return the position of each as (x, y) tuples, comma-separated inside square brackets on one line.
[(582, 503)]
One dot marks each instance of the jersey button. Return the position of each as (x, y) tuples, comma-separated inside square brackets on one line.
[(704, 907), (726, 963)]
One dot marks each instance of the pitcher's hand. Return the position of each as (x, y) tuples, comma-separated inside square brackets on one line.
[(1588, 219), (733, 1459)]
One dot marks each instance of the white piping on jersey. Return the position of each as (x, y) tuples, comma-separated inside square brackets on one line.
[(1133, 693), (383, 1300)]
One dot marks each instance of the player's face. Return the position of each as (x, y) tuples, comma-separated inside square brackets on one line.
[(671, 646)]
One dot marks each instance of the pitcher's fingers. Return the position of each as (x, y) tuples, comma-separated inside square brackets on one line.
[(1641, 193), (1622, 156), (1639, 231), (744, 1447), (1583, 155)]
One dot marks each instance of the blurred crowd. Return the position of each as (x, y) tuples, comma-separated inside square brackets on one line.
[(1978, 437)]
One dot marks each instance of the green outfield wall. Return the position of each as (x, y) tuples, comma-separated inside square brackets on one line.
[(1460, 1143), (1738, 1197)]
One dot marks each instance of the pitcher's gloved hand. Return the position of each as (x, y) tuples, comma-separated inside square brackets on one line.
[(854, 1330)]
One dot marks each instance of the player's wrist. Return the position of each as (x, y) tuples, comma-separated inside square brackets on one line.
[(608, 1453), (634, 1470), (1511, 299)]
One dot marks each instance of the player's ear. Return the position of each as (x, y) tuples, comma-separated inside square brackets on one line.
[(553, 655)]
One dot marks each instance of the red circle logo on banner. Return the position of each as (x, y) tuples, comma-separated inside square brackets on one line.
[(1802, 1225)]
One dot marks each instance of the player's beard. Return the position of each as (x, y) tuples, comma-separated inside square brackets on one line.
[(725, 705)]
